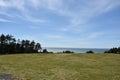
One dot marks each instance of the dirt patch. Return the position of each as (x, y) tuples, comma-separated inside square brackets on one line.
[(4, 76)]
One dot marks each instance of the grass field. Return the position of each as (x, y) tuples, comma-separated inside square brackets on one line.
[(61, 66)]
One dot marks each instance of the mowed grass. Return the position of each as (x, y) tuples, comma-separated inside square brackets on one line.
[(61, 66)]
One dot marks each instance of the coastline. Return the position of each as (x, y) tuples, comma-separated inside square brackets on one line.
[(75, 50)]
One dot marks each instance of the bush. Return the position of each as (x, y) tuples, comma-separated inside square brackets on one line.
[(113, 50), (90, 51), (45, 51), (68, 52)]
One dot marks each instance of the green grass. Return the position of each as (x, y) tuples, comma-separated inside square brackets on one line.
[(61, 66)]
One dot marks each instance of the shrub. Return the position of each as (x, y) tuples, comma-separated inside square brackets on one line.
[(45, 51), (68, 52), (113, 50), (90, 51)]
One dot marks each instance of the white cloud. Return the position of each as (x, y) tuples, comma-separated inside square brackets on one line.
[(2, 3), (79, 12), (5, 20), (92, 9), (5, 14), (63, 29), (95, 35), (55, 36), (86, 11), (34, 27), (20, 5), (33, 19), (83, 13), (34, 3)]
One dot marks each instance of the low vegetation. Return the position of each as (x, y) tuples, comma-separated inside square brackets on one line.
[(114, 50), (90, 52), (68, 52), (61, 66)]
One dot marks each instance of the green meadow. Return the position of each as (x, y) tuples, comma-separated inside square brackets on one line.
[(61, 66)]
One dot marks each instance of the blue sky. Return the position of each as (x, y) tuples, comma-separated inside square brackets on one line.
[(63, 23)]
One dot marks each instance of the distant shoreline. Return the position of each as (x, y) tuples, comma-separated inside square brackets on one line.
[(75, 50)]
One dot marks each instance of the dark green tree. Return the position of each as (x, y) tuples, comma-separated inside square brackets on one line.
[(9, 45), (37, 47)]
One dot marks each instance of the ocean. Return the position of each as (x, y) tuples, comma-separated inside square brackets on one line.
[(76, 50)]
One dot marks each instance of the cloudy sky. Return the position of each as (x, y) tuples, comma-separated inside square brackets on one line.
[(63, 23)]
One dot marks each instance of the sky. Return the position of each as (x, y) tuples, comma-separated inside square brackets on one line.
[(63, 23)]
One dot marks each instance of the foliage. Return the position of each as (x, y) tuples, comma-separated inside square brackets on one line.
[(45, 51), (68, 52), (113, 50), (90, 51), (8, 45)]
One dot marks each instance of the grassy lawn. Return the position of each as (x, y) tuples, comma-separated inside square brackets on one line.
[(61, 66)]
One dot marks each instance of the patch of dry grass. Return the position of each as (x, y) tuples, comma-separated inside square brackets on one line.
[(62, 66)]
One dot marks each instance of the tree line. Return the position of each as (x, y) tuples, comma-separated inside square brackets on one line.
[(9, 45), (114, 50)]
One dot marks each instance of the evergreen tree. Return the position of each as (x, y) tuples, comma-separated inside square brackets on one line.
[(8, 45)]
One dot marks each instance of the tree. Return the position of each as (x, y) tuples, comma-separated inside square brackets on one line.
[(118, 50), (2, 39), (2, 43), (8, 45), (37, 47), (27, 46)]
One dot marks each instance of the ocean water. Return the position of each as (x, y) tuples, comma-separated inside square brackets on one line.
[(76, 50)]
